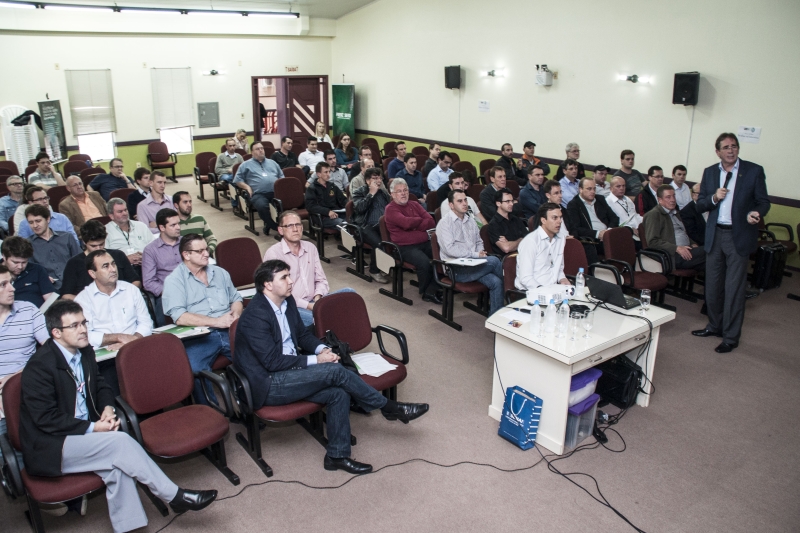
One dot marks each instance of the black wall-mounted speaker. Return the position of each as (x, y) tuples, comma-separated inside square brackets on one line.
[(686, 88), (452, 77)]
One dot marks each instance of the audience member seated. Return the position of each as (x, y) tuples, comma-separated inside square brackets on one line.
[(284, 157), (321, 134), (589, 217), (223, 168), (161, 257), (459, 238), (457, 183), (569, 181), (10, 202), (105, 184), (624, 208), (67, 433), (665, 231), (369, 203), (30, 280), (358, 181), (398, 163), (439, 176), (347, 156), (693, 220), (257, 177), (506, 162), (309, 159), (324, 198), (574, 153), (51, 249), (600, 174), (552, 192), (156, 201), (199, 294), (497, 181), (633, 178), (182, 202), (365, 152), (540, 258), (532, 194), (528, 161), (45, 176), (433, 159), (683, 194), (76, 274), (21, 327), (505, 230), (648, 198), (114, 309), (408, 225), (412, 177), (241, 141), (309, 281), (81, 205), (269, 339), (338, 175), (35, 195), (143, 183), (129, 236)]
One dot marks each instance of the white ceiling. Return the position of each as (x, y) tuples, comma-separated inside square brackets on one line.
[(327, 9)]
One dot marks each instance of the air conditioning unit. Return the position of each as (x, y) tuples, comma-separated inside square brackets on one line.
[(543, 76)]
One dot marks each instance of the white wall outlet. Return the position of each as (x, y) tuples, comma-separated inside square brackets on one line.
[(58, 67)]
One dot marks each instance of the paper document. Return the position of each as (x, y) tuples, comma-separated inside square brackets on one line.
[(247, 293), (102, 354), (467, 262), (372, 364), (46, 305), (517, 315), (182, 332)]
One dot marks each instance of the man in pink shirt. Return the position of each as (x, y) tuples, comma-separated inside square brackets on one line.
[(408, 224), (305, 268)]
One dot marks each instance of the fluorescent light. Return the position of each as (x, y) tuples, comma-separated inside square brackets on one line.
[(286, 15), (622, 77), (228, 13), (16, 5), (160, 11), (61, 7)]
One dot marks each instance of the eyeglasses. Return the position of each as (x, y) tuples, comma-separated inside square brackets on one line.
[(201, 251), (13, 183), (44, 200), (296, 225), (507, 201), (117, 166), (74, 326)]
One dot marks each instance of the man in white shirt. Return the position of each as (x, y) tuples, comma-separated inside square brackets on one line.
[(603, 187), (115, 311), (338, 175), (624, 208), (457, 183), (439, 175), (130, 236), (682, 192), (541, 253), (309, 159)]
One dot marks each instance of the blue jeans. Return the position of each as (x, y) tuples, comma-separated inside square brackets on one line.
[(226, 177), (490, 274), (4, 431), (202, 353), (308, 315), (332, 385)]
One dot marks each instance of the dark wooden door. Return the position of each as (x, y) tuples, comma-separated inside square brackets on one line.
[(305, 99)]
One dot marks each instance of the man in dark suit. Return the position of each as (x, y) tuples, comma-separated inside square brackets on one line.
[(694, 220), (648, 198), (589, 216), (269, 338), (68, 424), (734, 192)]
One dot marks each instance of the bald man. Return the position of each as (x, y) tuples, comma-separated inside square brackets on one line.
[(81, 205)]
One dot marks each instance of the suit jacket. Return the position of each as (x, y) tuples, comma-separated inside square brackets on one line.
[(694, 222), (47, 412), (659, 231), (488, 207), (69, 208), (750, 195), (259, 345), (646, 201), (578, 221)]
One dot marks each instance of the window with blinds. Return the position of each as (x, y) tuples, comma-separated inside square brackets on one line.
[(174, 107), (91, 101)]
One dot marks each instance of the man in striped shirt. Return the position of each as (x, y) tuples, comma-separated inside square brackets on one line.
[(193, 224)]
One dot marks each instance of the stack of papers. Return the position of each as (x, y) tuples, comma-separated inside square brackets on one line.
[(103, 354), (182, 332), (464, 261), (247, 293), (372, 364)]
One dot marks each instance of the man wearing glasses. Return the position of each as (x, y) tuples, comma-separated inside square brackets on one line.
[(441, 174), (198, 294), (105, 184), (35, 195), (305, 268), (44, 176), (505, 230), (10, 202)]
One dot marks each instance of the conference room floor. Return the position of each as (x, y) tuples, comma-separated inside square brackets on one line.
[(713, 452)]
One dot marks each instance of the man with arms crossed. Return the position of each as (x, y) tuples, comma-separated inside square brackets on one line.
[(505, 230)]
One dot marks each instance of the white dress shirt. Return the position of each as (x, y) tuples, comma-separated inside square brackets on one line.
[(540, 260), (626, 211), (310, 160), (135, 240), (123, 311), (724, 215), (683, 195), (604, 189)]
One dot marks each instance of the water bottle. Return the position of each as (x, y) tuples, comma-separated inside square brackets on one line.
[(563, 318), (580, 285), (550, 317), (536, 318)]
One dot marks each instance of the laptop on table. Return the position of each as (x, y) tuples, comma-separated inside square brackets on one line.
[(610, 293)]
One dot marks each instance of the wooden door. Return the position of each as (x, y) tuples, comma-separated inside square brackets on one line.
[(306, 99)]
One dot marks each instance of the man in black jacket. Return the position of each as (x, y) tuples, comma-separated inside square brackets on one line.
[(694, 220), (497, 178), (68, 425), (648, 198), (269, 338), (369, 203), (589, 216), (324, 198), (510, 166), (285, 157)]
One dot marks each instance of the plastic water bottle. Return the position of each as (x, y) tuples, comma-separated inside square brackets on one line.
[(550, 317), (580, 285), (563, 318), (536, 318)]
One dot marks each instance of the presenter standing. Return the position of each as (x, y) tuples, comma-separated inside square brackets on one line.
[(734, 193)]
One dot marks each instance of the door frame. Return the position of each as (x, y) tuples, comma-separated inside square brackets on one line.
[(257, 110)]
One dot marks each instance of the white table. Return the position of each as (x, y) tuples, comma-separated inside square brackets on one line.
[(545, 366)]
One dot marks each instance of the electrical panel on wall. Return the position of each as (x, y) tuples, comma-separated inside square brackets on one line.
[(543, 76), (208, 114)]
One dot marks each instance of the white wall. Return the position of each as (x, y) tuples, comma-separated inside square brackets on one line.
[(745, 51)]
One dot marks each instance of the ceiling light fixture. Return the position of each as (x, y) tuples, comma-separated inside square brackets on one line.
[(635, 78), (17, 5), (117, 9)]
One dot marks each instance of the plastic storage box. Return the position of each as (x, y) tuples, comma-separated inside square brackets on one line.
[(580, 421), (583, 385)]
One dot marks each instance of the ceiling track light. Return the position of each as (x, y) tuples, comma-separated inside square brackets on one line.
[(118, 9)]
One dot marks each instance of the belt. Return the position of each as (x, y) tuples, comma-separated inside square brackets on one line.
[(725, 226)]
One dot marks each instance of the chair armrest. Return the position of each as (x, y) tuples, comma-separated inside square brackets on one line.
[(240, 386), (787, 227), (132, 420), (397, 334), (278, 204), (149, 161), (10, 475), (315, 221), (196, 173), (447, 272), (206, 375), (768, 234), (610, 268), (395, 251), (174, 157), (622, 267), (659, 256)]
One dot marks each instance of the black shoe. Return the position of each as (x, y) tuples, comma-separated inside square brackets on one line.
[(407, 412), (346, 464), (435, 298), (705, 333), (751, 293), (192, 500), (726, 347)]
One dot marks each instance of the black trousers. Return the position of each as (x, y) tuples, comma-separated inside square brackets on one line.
[(372, 236), (420, 256), (726, 281), (593, 251), (697, 261)]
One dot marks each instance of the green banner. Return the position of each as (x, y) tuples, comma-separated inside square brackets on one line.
[(344, 120), (55, 142)]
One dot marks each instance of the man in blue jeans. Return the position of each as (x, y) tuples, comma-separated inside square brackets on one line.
[(459, 238), (269, 339), (201, 295)]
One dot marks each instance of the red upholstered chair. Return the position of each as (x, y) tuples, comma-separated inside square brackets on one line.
[(454, 157), (510, 290), (369, 140), (621, 253), (217, 185), (269, 149), (575, 259), (88, 175), (389, 146), (240, 257), (36, 489), (474, 192), (242, 202), (159, 158), (298, 147), (386, 165), (683, 278), (421, 151), (11, 225), (444, 278), (30, 170), (5, 173), (81, 157), (513, 186), (307, 414), (121, 193), (432, 201), (345, 314), (463, 166), (421, 160), (323, 146), (74, 167), (391, 249), (485, 165), (10, 166), (239, 151), (154, 374), (57, 194), (297, 173), (201, 173), (487, 241)]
